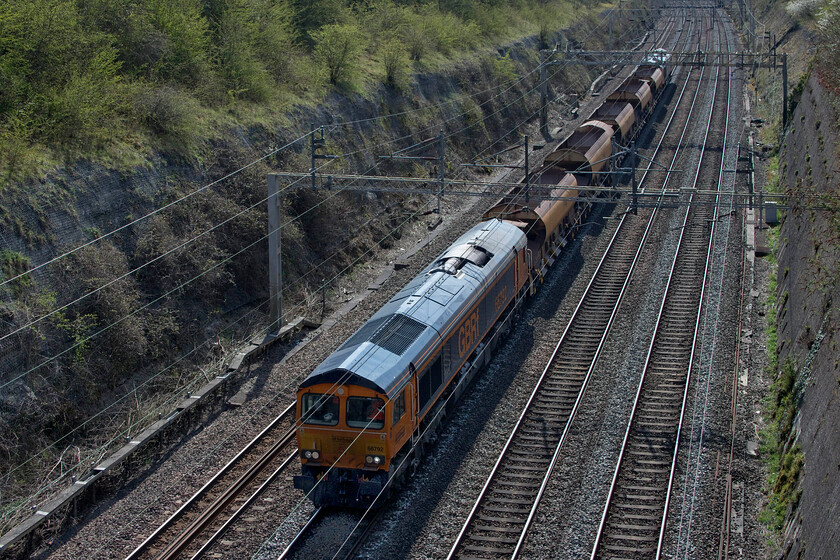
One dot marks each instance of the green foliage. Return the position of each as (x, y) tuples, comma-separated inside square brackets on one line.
[(772, 182), (502, 68), (79, 328), (783, 408), (311, 15), (14, 264), (87, 109), (784, 460), (783, 483), (396, 63), (171, 114), (338, 48), (112, 77)]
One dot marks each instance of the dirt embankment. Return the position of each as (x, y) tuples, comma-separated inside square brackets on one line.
[(196, 291), (808, 295)]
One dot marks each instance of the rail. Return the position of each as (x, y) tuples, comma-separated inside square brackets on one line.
[(505, 508), (635, 513), (206, 516)]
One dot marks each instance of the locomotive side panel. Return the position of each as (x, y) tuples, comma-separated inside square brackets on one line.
[(436, 374)]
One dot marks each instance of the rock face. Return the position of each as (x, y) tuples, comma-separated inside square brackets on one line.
[(809, 313)]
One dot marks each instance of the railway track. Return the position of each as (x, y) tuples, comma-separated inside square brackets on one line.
[(301, 545), (634, 519), (499, 521), (357, 526), (223, 499)]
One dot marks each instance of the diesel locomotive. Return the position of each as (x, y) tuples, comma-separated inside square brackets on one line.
[(367, 413)]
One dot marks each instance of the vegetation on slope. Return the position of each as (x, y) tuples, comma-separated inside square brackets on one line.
[(115, 80)]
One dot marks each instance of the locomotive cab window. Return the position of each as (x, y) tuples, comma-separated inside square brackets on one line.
[(399, 408), (366, 412), (319, 409)]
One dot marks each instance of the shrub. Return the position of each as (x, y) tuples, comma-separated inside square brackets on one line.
[(14, 264), (310, 15), (187, 34), (274, 40), (397, 65), (337, 48), (415, 41), (170, 114), (15, 147), (502, 69), (87, 110), (244, 73)]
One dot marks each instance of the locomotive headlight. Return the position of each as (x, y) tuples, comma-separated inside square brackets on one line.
[(307, 454), (316, 455), (374, 460), (313, 454)]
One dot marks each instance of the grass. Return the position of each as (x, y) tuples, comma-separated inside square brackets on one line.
[(783, 459)]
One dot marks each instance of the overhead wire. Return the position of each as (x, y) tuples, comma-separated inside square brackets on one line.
[(194, 238), (182, 285), (168, 252), (122, 432), (389, 233), (345, 451), (220, 445), (236, 172), (153, 212), (98, 289), (187, 242)]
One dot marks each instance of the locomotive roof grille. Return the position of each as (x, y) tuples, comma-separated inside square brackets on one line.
[(364, 334), (398, 333)]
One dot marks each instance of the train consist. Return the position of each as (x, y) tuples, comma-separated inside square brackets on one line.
[(369, 411)]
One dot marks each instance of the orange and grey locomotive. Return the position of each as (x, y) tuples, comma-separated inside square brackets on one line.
[(366, 410)]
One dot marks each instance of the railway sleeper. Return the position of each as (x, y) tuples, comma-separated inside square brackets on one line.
[(636, 496), (637, 469), (518, 497), (511, 512), (494, 539), (526, 467), (496, 528), (651, 452), (626, 527), (474, 548), (513, 501), (634, 506), (517, 486), (493, 519)]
